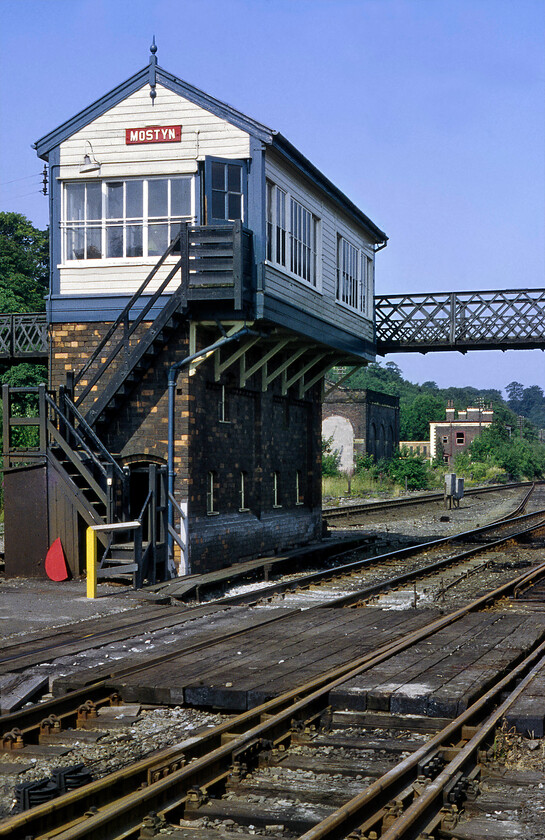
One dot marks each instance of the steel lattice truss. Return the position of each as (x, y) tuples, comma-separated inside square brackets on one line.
[(489, 320), (23, 337)]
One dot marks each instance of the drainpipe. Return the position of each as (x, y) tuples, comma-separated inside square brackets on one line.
[(172, 374)]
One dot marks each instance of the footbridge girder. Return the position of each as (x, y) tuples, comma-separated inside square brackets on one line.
[(413, 323), (485, 320)]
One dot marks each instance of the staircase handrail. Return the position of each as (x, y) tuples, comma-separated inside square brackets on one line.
[(124, 315), (80, 439), (90, 432)]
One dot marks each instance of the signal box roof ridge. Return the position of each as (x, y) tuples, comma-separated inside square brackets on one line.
[(156, 151)]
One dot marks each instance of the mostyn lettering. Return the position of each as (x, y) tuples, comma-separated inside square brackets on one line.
[(153, 134)]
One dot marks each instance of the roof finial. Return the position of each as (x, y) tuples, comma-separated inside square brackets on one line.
[(152, 66)]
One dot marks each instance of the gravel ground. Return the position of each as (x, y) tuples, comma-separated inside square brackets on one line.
[(153, 730)]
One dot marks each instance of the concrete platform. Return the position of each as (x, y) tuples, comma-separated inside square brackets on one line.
[(28, 605)]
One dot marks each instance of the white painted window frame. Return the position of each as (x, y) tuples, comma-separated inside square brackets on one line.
[(281, 199), (360, 274), (242, 492), (211, 478), (276, 489), (125, 221)]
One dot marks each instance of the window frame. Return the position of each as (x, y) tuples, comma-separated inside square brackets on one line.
[(282, 203), (223, 405), (243, 508), (106, 223), (208, 164), (299, 492), (363, 263), (276, 490), (211, 493)]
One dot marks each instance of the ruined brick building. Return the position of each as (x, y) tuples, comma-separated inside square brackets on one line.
[(361, 421)]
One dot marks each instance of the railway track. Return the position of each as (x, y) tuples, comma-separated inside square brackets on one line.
[(210, 776), (348, 511), (32, 723), (36, 650), (42, 722)]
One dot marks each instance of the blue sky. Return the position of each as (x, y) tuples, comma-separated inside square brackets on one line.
[(429, 114)]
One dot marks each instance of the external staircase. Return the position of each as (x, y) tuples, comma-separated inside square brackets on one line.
[(212, 264)]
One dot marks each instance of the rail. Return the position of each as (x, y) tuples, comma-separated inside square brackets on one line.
[(344, 511), (117, 804)]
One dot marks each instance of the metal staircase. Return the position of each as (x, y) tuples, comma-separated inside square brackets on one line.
[(215, 266), (56, 434), (129, 345)]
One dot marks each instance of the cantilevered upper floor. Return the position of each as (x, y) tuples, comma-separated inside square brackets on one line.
[(294, 253)]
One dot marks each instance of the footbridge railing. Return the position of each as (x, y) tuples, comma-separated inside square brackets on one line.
[(23, 338), (484, 320)]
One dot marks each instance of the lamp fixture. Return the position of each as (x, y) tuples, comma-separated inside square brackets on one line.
[(90, 163)]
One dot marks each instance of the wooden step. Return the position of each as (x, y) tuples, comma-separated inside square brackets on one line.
[(117, 571)]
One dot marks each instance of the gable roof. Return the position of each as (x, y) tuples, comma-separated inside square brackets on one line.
[(154, 73)]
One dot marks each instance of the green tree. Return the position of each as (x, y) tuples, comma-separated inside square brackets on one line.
[(411, 469), (331, 458), (24, 264), (418, 414)]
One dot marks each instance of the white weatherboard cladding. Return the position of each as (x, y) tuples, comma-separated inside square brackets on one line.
[(203, 134), (320, 301), (94, 278)]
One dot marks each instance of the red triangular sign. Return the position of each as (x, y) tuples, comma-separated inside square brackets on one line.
[(55, 563)]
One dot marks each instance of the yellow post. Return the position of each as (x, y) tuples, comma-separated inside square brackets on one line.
[(91, 545)]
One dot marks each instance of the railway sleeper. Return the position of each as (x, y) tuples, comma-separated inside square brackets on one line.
[(294, 816)]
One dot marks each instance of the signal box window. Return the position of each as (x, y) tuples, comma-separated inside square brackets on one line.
[(124, 219)]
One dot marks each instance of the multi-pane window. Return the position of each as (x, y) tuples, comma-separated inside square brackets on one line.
[(354, 272), (227, 191), (122, 219), (291, 234)]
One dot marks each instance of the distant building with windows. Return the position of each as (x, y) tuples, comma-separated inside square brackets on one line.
[(458, 431), (415, 447)]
